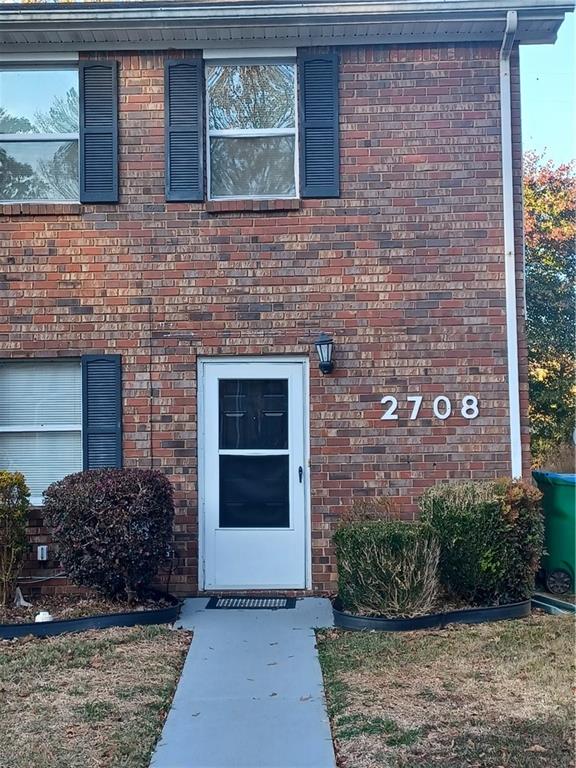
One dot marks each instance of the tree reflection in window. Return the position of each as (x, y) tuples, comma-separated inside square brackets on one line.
[(18, 181), (252, 129), (45, 170), (252, 166), (251, 97), (38, 156)]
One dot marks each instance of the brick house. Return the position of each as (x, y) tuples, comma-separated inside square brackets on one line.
[(192, 192)]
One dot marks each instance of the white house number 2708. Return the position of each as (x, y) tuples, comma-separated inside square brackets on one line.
[(441, 407)]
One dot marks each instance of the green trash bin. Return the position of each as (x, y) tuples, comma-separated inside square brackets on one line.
[(559, 504)]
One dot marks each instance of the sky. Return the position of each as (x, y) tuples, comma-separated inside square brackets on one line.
[(548, 83)]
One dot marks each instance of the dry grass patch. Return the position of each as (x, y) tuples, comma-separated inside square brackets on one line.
[(487, 696), (91, 700)]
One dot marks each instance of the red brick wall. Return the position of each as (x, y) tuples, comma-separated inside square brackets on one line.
[(405, 269)]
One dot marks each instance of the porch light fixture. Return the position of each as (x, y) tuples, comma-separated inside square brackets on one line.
[(324, 346)]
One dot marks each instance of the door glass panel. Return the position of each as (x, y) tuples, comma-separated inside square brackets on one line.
[(253, 413), (254, 492)]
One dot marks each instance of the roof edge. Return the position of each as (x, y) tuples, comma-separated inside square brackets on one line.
[(94, 25)]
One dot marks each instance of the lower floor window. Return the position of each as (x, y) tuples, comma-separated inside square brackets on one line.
[(41, 421)]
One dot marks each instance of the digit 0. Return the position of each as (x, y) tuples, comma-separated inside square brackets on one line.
[(443, 401)]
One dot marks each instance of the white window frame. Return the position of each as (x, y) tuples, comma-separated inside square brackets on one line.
[(36, 501), (235, 133), (18, 65)]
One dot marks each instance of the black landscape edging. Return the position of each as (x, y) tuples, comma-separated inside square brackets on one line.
[(345, 620), (166, 615), (552, 605)]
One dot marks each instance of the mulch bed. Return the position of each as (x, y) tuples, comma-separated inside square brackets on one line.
[(74, 607)]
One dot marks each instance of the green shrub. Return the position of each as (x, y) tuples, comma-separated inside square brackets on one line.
[(14, 506), (113, 528), (387, 568), (490, 536), (365, 508)]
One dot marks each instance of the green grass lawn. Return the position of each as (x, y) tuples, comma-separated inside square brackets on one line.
[(91, 700), (486, 696)]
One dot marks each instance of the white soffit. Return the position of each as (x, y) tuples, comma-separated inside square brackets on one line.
[(270, 23)]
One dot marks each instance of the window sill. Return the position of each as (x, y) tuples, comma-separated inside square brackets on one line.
[(239, 206), (40, 209)]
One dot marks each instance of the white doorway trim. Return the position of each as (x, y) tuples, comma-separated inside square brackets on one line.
[(202, 475)]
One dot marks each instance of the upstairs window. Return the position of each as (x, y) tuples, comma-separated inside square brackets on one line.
[(39, 134), (252, 134)]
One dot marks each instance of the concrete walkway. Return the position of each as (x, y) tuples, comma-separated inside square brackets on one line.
[(251, 693)]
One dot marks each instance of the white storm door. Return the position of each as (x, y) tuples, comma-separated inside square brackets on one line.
[(253, 475)]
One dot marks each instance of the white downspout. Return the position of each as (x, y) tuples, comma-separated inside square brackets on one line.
[(509, 247)]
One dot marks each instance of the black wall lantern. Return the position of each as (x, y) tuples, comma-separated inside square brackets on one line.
[(324, 346)]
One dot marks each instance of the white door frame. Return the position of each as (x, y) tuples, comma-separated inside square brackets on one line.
[(229, 360)]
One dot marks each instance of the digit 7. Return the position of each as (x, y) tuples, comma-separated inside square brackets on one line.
[(417, 400)]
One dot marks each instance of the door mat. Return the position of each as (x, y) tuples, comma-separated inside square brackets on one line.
[(252, 603)]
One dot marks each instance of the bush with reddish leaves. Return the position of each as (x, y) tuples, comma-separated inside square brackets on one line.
[(113, 528)]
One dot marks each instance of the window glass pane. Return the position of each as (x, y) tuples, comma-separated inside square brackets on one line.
[(43, 457), (254, 166), (253, 413), (39, 101), (45, 393), (251, 96), (39, 170), (254, 492)]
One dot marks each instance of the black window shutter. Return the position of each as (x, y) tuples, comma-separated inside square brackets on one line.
[(183, 91), (319, 125), (102, 411), (99, 132)]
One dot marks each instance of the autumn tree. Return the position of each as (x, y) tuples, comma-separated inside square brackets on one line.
[(550, 233)]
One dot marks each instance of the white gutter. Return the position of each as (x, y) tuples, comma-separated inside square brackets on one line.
[(408, 11), (509, 246)]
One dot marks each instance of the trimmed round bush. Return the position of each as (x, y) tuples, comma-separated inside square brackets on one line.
[(387, 568), (14, 507), (491, 538), (113, 528)]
